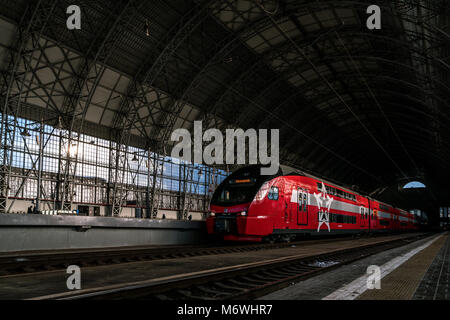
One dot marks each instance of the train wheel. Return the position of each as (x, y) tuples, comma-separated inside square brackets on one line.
[(288, 238), (269, 239)]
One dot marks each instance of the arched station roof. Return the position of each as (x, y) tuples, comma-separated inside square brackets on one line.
[(363, 107)]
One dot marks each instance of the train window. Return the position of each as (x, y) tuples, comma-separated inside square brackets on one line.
[(273, 193), (341, 218), (305, 202), (225, 196), (300, 200)]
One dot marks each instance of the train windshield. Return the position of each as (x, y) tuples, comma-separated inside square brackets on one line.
[(240, 187)]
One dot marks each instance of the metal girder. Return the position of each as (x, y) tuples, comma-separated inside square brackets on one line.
[(155, 189), (74, 109), (243, 18), (141, 85), (365, 57), (31, 26), (217, 55), (385, 80), (407, 83), (239, 13), (187, 172), (315, 151), (427, 86), (221, 50), (290, 8)]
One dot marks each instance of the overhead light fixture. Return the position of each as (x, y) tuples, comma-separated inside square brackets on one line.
[(147, 28), (135, 159), (25, 133), (59, 126), (228, 59)]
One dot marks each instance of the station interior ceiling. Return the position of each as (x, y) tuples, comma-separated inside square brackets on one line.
[(366, 108)]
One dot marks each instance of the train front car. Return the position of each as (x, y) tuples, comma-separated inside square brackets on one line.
[(231, 215)]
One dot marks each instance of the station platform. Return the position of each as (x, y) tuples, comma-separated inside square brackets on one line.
[(29, 232), (417, 271), (51, 284)]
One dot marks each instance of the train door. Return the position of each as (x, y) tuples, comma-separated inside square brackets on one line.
[(362, 217), (302, 209), (373, 219), (291, 207)]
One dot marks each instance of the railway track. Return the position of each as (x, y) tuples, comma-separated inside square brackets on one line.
[(15, 264), (247, 281)]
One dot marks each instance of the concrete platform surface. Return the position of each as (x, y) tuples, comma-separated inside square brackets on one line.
[(435, 283), (401, 283), (38, 232), (46, 283)]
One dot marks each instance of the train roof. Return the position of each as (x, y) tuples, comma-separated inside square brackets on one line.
[(289, 171)]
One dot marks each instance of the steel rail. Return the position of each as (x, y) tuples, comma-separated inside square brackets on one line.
[(246, 281), (20, 263)]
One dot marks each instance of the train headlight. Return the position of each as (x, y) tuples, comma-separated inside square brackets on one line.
[(243, 213)]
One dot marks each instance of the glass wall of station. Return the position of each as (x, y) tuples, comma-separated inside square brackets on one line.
[(93, 168)]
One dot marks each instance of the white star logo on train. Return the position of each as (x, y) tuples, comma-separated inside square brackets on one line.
[(324, 204)]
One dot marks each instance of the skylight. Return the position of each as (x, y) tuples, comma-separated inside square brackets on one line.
[(414, 185)]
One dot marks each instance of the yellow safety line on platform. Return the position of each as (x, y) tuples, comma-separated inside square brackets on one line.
[(357, 288)]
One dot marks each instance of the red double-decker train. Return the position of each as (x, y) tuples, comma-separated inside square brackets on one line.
[(248, 206)]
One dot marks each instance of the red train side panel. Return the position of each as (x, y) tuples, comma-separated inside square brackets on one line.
[(285, 206)]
